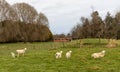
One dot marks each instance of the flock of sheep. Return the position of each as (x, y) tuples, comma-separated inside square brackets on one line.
[(59, 54), (19, 52), (68, 54)]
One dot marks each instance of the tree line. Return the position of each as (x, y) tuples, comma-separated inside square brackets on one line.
[(96, 27), (21, 22)]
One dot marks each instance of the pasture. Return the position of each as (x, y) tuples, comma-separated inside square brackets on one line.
[(40, 57)]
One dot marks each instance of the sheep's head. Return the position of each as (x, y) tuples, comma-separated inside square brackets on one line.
[(61, 51), (25, 48), (103, 51), (70, 51)]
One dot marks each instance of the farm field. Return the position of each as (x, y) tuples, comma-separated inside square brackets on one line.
[(40, 57)]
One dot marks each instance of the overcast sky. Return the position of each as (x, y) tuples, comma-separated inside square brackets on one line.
[(64, 14)]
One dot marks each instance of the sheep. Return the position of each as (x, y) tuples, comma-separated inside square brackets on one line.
[(99, 54), (68, 54), (58, 54), (13, 54), (21, 51)]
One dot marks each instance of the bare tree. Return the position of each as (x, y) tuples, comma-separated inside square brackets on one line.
[(7, 12), (25, 12), (42, 19), (17, 23), (97, 25)]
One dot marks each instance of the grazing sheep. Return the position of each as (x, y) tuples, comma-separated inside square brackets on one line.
[(99, 54), (68, 54), (21, 51), (13, 54), (58, 54)]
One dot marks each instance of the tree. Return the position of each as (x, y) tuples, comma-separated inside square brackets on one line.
[(117, 25), (42, 19), (17, 23), (109, 26), (25, 12), (97, 25), (86, 30), (112, 26), (10, 31), (76, 32), (7, 12)]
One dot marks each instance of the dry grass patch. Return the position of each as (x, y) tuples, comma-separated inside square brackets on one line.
[(112, 43)]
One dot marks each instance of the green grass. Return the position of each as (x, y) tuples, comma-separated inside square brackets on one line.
[(40, 57)]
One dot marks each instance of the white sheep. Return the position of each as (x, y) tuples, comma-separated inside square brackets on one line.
[(21, 51), (68, 54), (58, 54), (13, 54), (99, 54)]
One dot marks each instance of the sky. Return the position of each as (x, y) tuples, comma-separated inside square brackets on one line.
[(63, 15)]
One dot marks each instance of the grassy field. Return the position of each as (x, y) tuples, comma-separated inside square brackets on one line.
[(40, 57)]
